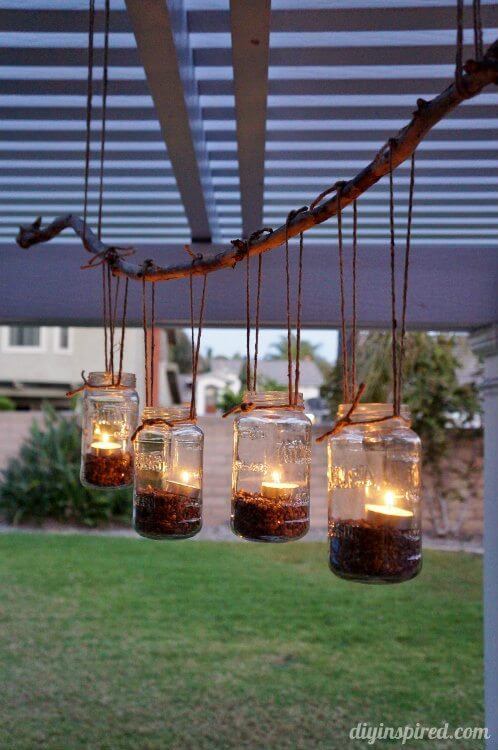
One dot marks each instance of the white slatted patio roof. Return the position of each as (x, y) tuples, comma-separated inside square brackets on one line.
[(219, 122)]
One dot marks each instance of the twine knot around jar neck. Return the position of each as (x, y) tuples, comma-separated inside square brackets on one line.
[(165, 416), (374, 413), (98, 381), (106, 380), (253, 400)]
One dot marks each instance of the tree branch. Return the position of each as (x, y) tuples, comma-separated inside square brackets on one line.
[(477, 76)]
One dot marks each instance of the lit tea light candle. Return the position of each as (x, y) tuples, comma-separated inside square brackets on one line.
[(277, 490), (104, 445), (184, 487), (389, 514)]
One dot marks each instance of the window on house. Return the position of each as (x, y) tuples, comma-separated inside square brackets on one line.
[(24, 336), (64, 337)]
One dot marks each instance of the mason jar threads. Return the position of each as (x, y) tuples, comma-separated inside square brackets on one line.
[(110, 415), (167, 500), (271, 469), (374, 497)]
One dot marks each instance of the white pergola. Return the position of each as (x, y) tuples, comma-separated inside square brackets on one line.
[(222, 116)]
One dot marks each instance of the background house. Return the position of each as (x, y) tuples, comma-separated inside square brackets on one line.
[(227, 374), (41, 363)]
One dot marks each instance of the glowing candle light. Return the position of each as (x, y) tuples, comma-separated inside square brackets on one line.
[(104, 443), (185, 488), (389, 514), (278, 490)]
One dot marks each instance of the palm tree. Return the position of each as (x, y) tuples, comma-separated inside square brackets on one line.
[(308, 350)]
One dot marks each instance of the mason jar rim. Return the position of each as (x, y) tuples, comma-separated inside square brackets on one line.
[(97, 378), (271, 398), (176, 411), (373, 410)]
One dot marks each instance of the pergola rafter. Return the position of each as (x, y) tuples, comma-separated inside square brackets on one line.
[(398, 149)]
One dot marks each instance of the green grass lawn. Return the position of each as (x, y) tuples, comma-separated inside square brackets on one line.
[(119, 643)]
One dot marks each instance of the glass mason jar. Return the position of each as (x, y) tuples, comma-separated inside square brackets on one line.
[(167, 501), (271, 469), (110, 417), (374, 497)]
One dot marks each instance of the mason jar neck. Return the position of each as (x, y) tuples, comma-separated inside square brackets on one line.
[(96, 379), (373, 411), (271, 399), (173, 413)]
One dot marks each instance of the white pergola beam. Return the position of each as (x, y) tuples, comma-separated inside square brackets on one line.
[(161, 33), (485, 344), (250, 28)]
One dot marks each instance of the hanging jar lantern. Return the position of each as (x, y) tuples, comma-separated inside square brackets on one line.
[(271, 469), (374, 496), (167, 500), (110, 415)]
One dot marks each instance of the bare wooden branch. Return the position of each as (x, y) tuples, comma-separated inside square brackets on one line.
[(477, 76)]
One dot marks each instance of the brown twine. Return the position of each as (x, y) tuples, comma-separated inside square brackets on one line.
[(111, 316), (89, 106), (459, 49), (478, 37), (256, 324), (87, 387), (298, 322), (149, 387), (160, 420), (104, 315), (244, 246), (115, 309), (149, 346), (247, 406), (292, 391), (353, 336), (338, 188), (105, 78), (287, 298), (405, 282), (109, 255), (146, 347), (344, 343), (347, 419), (192, 340), (197, 346), (393, 280), (123, 330), (153, 342), (460, 80), (248, 321)]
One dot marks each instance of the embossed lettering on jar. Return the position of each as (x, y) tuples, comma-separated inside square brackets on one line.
[(271, 469), (167, 501), (374, 497), (110, 415)]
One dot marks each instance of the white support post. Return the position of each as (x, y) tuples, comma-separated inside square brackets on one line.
[(485, 343)]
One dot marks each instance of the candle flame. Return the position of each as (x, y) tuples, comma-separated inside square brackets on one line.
[(185, 475), (105, 437), (389, 498), (275, 475)]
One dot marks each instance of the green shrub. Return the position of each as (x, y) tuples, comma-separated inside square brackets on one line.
[(42, 482), (6, 404)]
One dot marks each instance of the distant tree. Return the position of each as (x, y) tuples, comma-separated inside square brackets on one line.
[(229, 398), (270, 384), (6, 404), (438, 403), (278, 350), (181, 353)]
